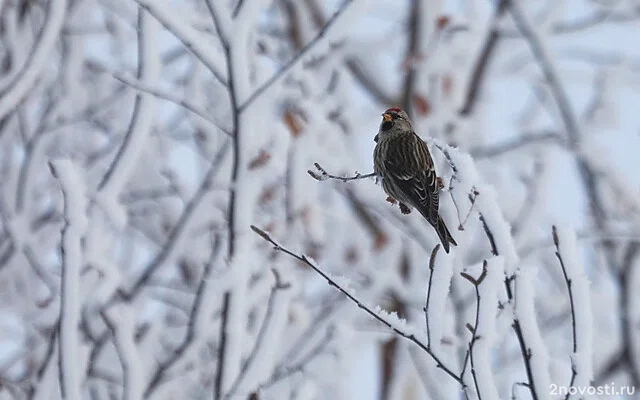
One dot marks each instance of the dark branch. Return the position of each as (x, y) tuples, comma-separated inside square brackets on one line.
[(510, 145), (483, 61), (279, 285), (409, 336), (556, 242), (285, 68), (476, 284), (323, 175), (517, 328), (181, 350), (222, 348), (432, 262)]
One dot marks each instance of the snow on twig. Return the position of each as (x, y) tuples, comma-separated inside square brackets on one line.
[(483, 332), (484, 199), (259, 361), (532, 347), (323, 175), (186, 35), (121, 322), (173, 98), (75, 208), (397, 326), (38, 59), (580, 302), (432, 262), (287, 67), (139, 130)]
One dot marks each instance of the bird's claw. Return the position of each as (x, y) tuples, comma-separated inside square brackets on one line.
[(391, 200), (439, 183), (404, 209)]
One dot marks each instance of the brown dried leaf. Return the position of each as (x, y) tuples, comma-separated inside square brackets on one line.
[(293, 122), (380, 241), (421, 104), (260, 160), (443, 21)]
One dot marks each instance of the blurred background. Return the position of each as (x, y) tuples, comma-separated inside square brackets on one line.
[(140, 139)]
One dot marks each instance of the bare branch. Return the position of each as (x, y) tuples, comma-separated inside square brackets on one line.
[(169, 96), (572, 305), (483, 60), (432, 262), (324, 175), (409, 336), (222, 351), (186, 35), (194, 315), (517, 143), (37, 61), (257, 345), (285, 68)]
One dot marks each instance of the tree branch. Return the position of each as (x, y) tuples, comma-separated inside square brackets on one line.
[(323, 175), (409, 336), (285, 68)]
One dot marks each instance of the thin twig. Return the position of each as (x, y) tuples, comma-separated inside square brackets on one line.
[(521, 141), (285, 68), (222, 351), (524, 350), (517, 328), (173, 98), (323, 175), (487, 231), (476, 284), (432, 262), (556, 242), (284, 372), (179, 229), (279, 285), (483, 61), (236, 121), (181, 350), (190, 40), (409, 336)]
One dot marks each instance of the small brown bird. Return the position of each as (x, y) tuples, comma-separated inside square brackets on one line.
[(407, 170)]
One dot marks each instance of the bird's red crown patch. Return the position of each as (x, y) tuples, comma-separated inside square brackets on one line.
[(394, 109)]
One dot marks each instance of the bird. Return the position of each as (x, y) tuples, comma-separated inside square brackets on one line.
[(403, 162)]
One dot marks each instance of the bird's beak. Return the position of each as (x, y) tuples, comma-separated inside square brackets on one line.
[(387, 117)]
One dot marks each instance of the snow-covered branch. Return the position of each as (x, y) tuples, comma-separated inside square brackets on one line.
[(396, 326), (75, 208), (580, 303)]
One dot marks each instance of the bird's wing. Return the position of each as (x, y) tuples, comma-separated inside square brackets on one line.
[(408, 161)]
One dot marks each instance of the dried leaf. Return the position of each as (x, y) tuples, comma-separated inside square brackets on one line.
[(293, 122), (380, 240), (443, 21), (260, 160), (421, 104)]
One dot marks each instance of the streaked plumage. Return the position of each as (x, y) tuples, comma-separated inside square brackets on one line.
[(407, 170)]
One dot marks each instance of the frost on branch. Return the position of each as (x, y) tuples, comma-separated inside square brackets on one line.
[(173, 127), (75, 208)]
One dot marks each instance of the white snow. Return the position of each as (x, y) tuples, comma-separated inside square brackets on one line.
[(575, 269), (525, 314), (75, 209), (39, 58)]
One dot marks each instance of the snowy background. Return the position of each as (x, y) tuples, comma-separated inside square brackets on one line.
[(141, 139)]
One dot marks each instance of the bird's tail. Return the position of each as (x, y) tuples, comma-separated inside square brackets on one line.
[(444, 234)]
